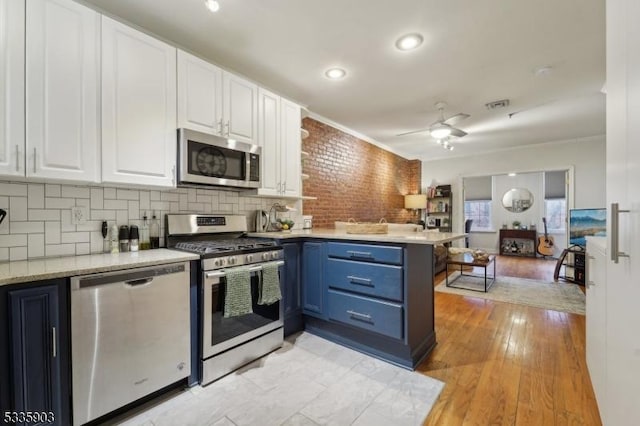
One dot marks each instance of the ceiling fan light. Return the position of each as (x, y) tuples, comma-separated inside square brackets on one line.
[(450, 148), (440, 132)]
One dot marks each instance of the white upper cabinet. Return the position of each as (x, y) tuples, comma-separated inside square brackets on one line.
[(199, 95), (279, 137), (290, 167), (62, 87), (240, 111), (138, 107), (12, 16), (269, 141)]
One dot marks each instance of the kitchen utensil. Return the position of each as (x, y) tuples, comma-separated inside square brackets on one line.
[(307, 222), (105, 237), (133, 238), (262, 221), (3, 214), (123, 237)]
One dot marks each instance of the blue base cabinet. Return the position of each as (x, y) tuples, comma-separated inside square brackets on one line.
[(291, 291), (313, 285), (37, 363), (372, 297)]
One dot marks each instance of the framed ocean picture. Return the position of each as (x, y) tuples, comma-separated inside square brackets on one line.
[(586, 222)]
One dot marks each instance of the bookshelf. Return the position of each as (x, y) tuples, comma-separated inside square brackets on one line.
[(439, 208)]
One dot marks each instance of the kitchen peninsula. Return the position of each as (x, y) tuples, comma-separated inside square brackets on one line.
[(370, 292)]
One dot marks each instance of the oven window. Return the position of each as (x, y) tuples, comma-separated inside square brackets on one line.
[(214, 161), (223, 329)]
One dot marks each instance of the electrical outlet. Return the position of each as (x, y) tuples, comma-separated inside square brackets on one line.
[(79, 215)]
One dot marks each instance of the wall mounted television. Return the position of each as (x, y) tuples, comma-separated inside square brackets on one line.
[(586, 222)]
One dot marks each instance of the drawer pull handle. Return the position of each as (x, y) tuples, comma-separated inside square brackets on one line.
[(360, 281), (358, 316), (361, 254)]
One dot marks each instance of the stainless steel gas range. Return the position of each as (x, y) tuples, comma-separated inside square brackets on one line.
[(228, 343)]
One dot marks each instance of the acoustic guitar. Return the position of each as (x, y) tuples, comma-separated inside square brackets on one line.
[(545, 243)]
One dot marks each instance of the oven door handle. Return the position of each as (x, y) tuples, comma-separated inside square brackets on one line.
[(222, 273)]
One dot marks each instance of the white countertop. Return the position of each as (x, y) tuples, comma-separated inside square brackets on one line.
[(392, 237), (59, 267)]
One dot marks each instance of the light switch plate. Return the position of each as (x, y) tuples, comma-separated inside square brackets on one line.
[(79, 215)]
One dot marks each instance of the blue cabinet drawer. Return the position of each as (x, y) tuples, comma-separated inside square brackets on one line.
[(367, 278), (369, 314), (366, 252)]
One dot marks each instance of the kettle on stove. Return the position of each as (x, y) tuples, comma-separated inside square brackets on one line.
[(262, 221)]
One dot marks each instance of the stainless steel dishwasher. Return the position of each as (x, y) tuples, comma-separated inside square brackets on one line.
[(129, 336)]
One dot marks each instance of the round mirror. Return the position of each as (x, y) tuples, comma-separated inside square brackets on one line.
[(517, 200)]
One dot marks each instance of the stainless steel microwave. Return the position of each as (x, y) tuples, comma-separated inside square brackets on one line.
[(207, 160)]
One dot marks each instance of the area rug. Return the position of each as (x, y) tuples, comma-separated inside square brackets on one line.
[(563, 297)]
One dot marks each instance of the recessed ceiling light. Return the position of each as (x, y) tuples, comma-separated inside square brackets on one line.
[(511, 174), (335, 73), (409, 41), (543, 71), (212, 5)]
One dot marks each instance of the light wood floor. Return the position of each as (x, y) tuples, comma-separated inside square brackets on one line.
[(506, 364)]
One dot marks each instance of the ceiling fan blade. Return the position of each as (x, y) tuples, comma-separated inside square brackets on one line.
[(413, 132), (457, 132), (456, 118)]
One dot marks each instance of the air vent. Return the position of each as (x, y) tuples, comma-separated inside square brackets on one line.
[(498, 104)]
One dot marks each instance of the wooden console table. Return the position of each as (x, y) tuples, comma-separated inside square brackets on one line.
[(518, 242)]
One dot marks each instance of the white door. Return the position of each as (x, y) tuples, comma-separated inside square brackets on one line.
[(240, 99), (138, 107), (622, 403), (12, 87), (62, 83), (290, 148), (199, 94), (269, 140)]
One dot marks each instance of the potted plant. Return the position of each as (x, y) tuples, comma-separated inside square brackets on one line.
[(516, 224)]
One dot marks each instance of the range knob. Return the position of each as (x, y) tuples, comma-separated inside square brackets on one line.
[(232, 260), (216, 262), (275, 255), (249, 258), (223, 261), (265, 256)]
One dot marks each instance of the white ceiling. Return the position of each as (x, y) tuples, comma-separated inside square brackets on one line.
[(474, 52)]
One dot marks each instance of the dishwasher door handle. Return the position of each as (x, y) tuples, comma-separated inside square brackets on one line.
[(141, 281)]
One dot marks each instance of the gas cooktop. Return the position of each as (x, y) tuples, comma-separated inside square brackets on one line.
[(226, 246)]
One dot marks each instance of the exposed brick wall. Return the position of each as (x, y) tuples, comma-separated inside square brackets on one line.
[(353, 178)]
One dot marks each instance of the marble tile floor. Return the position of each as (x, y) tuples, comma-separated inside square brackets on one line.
[(309, 381)]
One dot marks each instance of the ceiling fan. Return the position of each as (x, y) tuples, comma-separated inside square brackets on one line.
[(443, 129)]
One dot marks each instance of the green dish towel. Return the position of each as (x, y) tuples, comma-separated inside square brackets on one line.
[(270, 286), (237, 300)]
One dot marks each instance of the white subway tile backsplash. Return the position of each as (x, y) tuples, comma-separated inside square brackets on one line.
[(126, 194), (109, 193), (39, 222), (76, 192), (74, 237), (116, 205), (83, 248), (13, 189), (52, 190), (18, 253), (52, 232), (36, 245), (35, 197), (18, 209), (41, 214), (60, 249), (97, 198), (13, 240), (59, 203), (27, 227)]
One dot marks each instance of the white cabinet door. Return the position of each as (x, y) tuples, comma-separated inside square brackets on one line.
[(240, 110), (62, 74), (12, 87), (290, 148), (596, 310), (622, 403), (138, 107), (199, 95), (269, 140)]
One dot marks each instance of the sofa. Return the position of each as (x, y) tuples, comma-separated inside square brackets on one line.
[(440, 254)]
